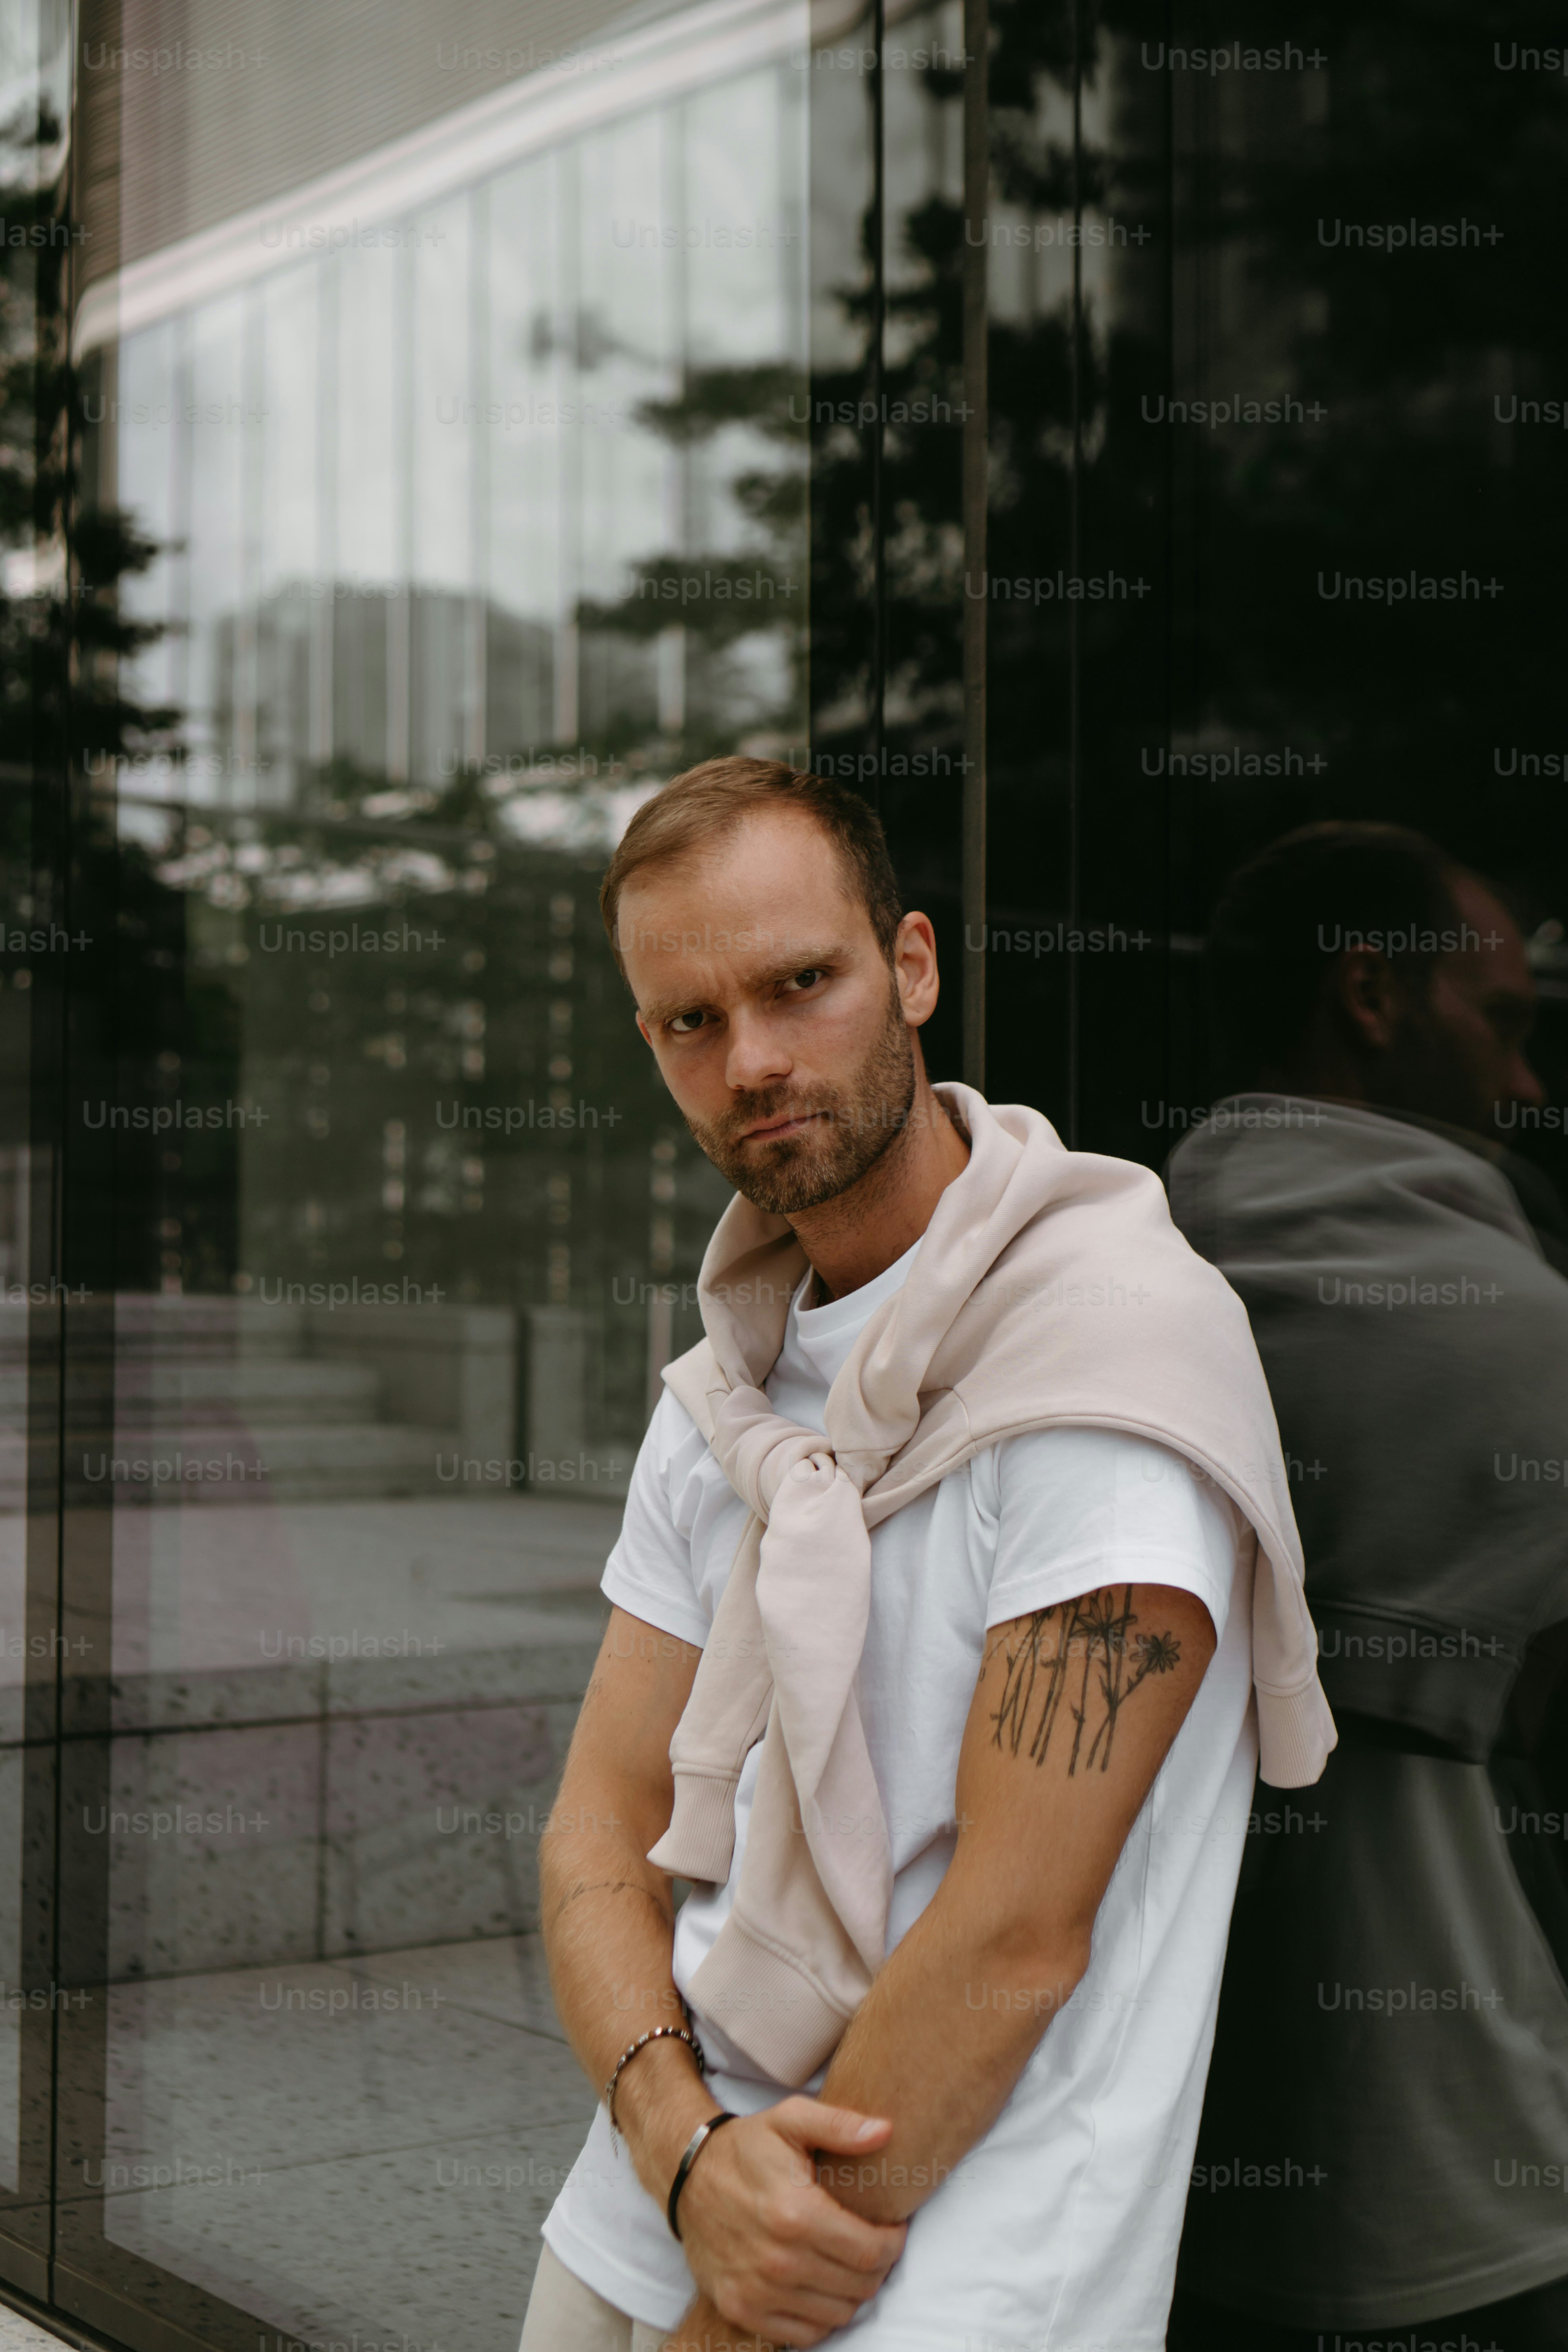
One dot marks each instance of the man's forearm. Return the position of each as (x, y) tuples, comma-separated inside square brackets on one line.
[(957, 2012), (608, 1924), (949, 2025)]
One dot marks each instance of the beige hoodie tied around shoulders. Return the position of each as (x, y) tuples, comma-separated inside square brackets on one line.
[(1051, 1289)]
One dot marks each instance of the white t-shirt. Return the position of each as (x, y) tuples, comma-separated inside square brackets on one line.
[(1058, 2230)]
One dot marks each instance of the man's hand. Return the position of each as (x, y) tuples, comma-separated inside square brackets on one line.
[(778, 2260), (706, 2329)]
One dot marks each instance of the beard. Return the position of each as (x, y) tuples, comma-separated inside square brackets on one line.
[(851, 1128)]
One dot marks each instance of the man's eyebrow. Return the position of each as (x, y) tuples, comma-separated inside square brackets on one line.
[(665, 1008)]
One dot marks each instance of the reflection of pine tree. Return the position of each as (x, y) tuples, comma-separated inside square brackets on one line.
[(918, 406), (388, 1078), (1229, 289), (62, 642), (63, 712), (715, 599)]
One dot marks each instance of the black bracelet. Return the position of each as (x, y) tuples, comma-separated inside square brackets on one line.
[(694, 2148)]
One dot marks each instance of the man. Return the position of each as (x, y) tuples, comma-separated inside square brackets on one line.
[(1399, 1943), (933, 1599)]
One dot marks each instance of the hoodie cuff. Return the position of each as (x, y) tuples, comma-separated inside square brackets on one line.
[(1295, 1734), (700, 1840)]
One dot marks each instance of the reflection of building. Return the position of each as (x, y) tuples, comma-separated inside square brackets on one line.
[(376, 377), (478, 685), (389, 417)]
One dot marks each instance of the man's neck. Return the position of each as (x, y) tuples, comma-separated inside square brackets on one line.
[(852, 1240)]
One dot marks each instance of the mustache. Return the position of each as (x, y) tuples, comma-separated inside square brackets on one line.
[(770, 1104)]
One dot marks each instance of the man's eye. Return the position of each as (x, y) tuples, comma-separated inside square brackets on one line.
[(685, 1022), (809, 978)]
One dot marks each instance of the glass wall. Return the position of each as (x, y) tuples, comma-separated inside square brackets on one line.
[(431, 509), (420, 445)]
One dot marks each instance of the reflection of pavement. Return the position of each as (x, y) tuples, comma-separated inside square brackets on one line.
[(323, 1712), (200, 1401), (349, 2171), (201, 1593), (327, 2031), (19, 2335), (204, 1599)]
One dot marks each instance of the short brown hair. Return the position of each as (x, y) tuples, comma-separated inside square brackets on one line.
[(1268, 953), (699, 808)]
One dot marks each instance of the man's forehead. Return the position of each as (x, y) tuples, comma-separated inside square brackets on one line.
[(646, 935), (1491, 943), (767, 861), (768, 896)]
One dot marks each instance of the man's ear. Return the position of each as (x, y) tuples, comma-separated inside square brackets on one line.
[(914, 969), (1369, 998), (646, 1032)]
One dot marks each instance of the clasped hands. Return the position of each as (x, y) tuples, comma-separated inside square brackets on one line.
[(777, 2260)]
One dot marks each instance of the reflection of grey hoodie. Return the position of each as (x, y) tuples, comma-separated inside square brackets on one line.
[(1417, 1345), (1415, 2106)]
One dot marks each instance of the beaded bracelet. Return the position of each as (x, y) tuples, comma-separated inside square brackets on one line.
[(676, 2033)]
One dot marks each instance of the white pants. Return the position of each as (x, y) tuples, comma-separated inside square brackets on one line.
[(565, 2316)]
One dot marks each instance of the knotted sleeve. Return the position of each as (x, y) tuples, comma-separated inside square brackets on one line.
[(725, 1715)]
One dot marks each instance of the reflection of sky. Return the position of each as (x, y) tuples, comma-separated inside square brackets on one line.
[(459, 412), (441, 360), (591, 818), (148, 435), (524, 376), (628, 172), (359, 397), (35, 72), (217, 444), (290, 522)]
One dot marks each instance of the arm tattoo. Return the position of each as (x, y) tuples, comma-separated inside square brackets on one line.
[(606, 1886), (1082, 1654)]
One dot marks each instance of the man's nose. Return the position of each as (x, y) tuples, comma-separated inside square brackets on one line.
[(757, 1054), (1522, 1085)]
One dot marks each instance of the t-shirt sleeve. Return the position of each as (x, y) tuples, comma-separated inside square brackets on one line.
[(649, 1573), (1079, 1508)]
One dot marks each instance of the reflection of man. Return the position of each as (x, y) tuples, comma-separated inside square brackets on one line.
[(1389, 2090), (921, 1599)]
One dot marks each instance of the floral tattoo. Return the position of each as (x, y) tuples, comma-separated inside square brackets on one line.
[(1085, 1655)]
